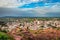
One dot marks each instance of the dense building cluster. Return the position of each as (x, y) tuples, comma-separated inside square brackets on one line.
[(33, 29), (33, 25)]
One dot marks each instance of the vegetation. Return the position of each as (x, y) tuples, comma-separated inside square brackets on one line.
[(29, 19), (4, 36)]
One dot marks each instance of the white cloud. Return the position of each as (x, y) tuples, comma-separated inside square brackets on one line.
[(39, 10), (54, 7), (14, 3)]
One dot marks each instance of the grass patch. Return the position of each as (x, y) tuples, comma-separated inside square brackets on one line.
[(4, 36)]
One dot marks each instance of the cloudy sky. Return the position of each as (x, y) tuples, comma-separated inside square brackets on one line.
[(30, 8)]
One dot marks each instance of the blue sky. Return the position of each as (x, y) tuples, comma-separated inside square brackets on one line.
[(30, 8), (42, 3)]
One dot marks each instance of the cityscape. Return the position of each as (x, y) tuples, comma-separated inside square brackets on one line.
[(29, 19), (30, 28)]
